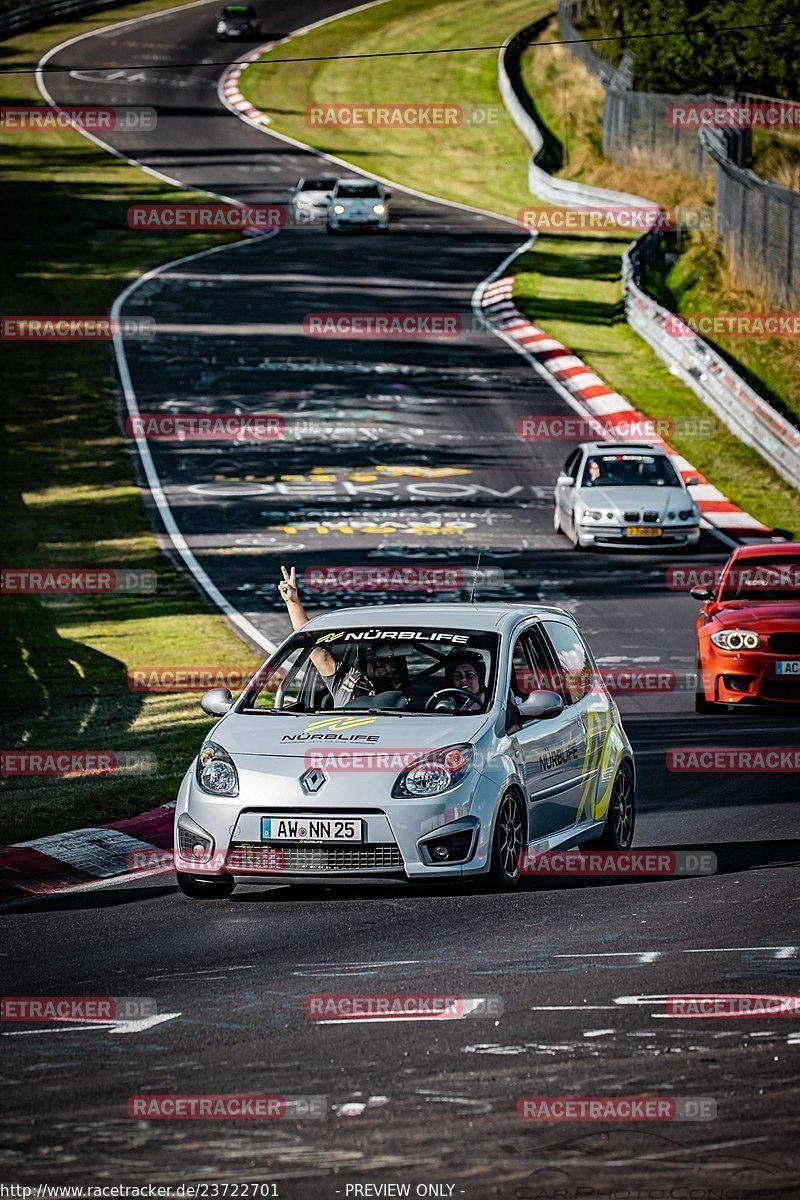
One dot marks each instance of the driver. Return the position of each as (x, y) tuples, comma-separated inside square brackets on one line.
[(467, 672), (383, 672)]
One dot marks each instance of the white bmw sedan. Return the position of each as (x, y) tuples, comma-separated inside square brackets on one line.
[(624, 494), (412, 742)]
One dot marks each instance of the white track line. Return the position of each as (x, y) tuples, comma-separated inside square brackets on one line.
[(179, 543)]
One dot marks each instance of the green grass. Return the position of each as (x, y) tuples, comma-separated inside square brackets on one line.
[(484, 167), (70, 493), (571, 287)]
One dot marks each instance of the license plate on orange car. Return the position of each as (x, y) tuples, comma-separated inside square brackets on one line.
[(788, 666), (642, 531)]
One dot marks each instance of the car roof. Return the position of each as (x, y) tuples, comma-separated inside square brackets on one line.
[(358, 179), (756, 550), (616, 447), (484, 617)]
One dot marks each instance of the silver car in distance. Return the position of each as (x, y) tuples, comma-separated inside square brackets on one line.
[(412, 742), (624, 494)]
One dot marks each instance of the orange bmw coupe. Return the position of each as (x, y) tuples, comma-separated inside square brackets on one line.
[(748, 630)]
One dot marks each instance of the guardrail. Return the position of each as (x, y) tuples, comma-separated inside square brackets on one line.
[(691, 359), (30, 16)]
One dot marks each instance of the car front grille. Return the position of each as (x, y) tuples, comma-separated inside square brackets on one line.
[(631, 516), (784, 643), (787, 690), (652, 517), (274, 857)]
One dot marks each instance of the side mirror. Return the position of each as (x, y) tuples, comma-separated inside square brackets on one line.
[(566, 480), (699, 593), (387, 195), (217, 702), (692, 481), (541, 706)]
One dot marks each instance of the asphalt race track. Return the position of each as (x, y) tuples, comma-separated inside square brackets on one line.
[(433, 473)]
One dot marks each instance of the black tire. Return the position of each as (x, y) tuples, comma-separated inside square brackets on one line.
[(205, 889), (508, 843), (621, 817), (330, 229), (701, 705)]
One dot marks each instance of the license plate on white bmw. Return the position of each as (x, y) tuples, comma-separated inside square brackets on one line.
[(311, 829), (788, 666)]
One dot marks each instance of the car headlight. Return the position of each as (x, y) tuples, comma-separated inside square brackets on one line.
[(434, 773), (221, 27), (338, 209), (594, 513), (380, 209), (736, 639), (215, 771)]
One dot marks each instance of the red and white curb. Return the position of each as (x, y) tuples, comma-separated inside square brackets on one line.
[(594, 398), (64, 860), (230, 87)]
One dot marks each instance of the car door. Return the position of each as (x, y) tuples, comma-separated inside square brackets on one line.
[(581, 688), (564, 491), (548, 752)]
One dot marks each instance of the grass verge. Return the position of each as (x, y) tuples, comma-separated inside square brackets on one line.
[(71, 498)]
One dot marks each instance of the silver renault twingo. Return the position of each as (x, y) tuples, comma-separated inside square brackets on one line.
[(416, 742)]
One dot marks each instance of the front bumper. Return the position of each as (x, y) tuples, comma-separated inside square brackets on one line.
[(730, 678), (595, 534), (365, 222), (400, 836)]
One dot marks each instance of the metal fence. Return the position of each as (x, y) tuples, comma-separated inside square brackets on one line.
[(30, 16), (758, 224), (636, 128)]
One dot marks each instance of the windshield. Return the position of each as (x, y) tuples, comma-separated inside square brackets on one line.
[(388, 669), (763, 578), (366, 191), (318, 185), (629, 470), (236, 11)]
